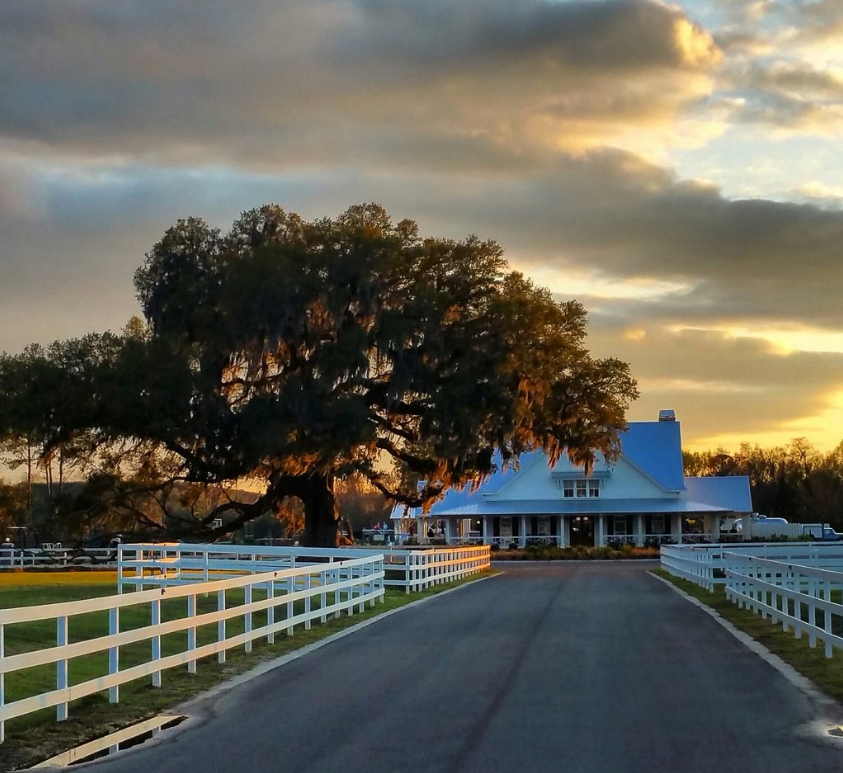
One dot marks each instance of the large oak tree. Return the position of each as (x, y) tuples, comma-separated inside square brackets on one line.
[(294, 353)]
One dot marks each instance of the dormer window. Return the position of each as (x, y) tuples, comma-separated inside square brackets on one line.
[(580, 488)]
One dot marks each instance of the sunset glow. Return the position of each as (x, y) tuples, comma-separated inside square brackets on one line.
[(673, 166)]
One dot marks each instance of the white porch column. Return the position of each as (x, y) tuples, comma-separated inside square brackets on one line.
[(600, 530), (566, 532), (639, 530), (522, 532), (562, 537), (715, 528), (676, 527), (486, 531)]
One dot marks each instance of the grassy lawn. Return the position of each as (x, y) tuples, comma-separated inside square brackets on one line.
[(825, 673), (38, 736)]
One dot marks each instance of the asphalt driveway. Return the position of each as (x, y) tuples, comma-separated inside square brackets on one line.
[(574, 667)]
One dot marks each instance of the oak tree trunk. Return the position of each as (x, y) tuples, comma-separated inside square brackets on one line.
[(321, 521)]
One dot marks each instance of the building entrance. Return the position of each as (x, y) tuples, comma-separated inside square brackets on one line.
[(582, 530)]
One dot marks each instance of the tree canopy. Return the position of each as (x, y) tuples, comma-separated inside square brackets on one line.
[(291, 354)]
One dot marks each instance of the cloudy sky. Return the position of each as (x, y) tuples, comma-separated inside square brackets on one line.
[(676, 167)]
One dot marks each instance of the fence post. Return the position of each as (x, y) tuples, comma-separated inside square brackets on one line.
[(270, 611), (221, 625), (307, 602), (191, 632), (119, 568), (2, 681), (113, 653), (323, 600), (336, 576), (812, 611), (247, 623), (364, 584), (291, 586), (827, 618), (61, 665), (155, 610)]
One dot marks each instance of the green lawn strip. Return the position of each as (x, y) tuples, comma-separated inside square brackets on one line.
[(825, 673), (37, 736)]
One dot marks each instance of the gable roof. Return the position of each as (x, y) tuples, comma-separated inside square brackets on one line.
[(655, 448)]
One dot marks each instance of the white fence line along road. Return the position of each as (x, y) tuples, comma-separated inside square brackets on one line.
[(151, 565), (289, 585), (789, 594), (792, 584), (706, 565), (299, 594)]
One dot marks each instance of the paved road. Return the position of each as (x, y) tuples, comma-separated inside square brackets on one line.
[(581, 668)]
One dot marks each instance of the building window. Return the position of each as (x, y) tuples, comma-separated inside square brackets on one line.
[(580, 488), (658, 524), (620, 525)]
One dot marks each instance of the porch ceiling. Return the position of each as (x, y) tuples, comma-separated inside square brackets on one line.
[(576, 507)]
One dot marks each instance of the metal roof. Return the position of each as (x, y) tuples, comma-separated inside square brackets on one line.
[(653, 447)]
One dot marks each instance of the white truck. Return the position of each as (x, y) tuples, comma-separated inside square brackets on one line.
[(760, 527), (821, 532)]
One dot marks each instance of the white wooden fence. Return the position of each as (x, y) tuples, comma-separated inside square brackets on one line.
[(789, 594), (797, 585), (151, 565), (319, 590), (38, 558), (706, 565), (416, 570)]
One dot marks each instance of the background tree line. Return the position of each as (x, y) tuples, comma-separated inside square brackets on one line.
[(795, 481)]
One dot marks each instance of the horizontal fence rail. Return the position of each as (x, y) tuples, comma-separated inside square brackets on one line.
[(706, 565), (282, 598), (38, 558), (416, 570), (797, 597), (146, 566), (798, 585)]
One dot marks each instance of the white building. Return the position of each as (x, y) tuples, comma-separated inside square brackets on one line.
[(641, 498)]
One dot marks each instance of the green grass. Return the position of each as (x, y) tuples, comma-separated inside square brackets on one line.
[(825, 673), (38, 736)]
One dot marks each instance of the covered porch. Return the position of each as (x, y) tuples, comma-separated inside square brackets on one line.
[(569, 529)]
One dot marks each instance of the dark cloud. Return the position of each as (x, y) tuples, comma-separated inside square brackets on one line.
[(611, 35), (787, 94), (611, 213), (300, 81), (483, 116)]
